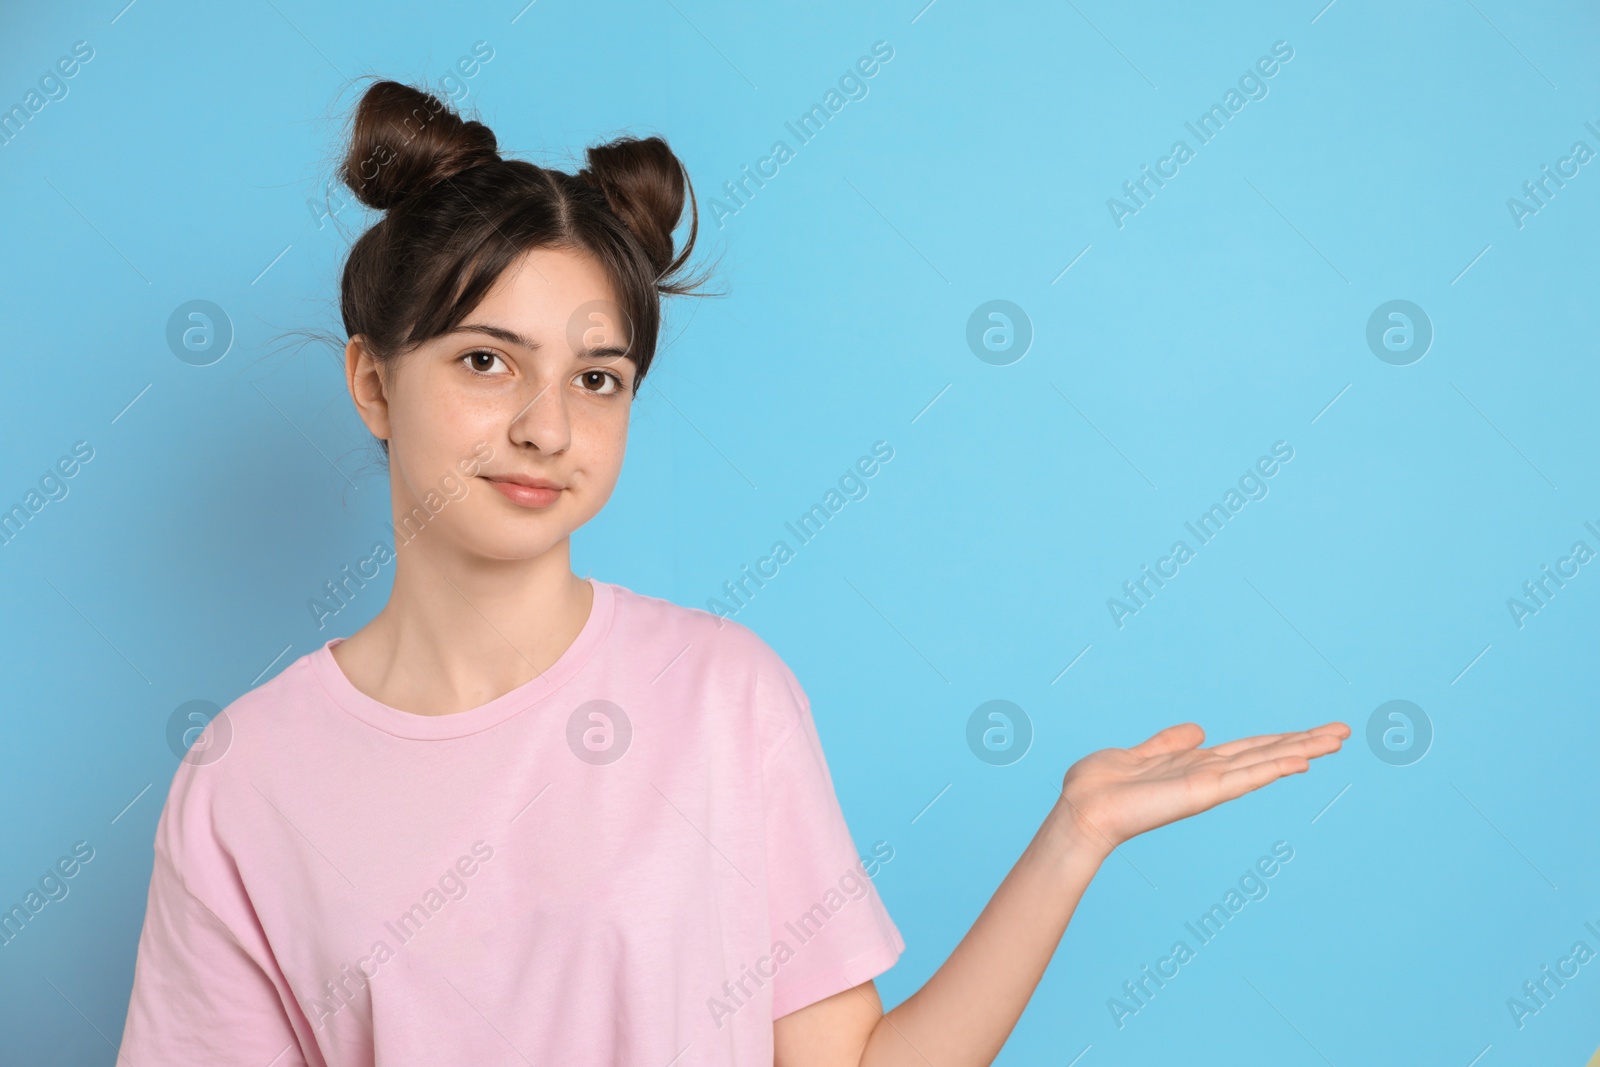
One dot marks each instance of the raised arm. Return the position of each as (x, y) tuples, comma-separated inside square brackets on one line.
[(966, 1010)]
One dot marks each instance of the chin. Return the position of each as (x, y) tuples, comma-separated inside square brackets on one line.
[(511, 548)]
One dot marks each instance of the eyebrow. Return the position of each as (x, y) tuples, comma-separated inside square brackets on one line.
[(511, 337)]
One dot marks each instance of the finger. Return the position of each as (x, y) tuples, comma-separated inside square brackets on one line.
[(1294, 744), (1241, 780), (1172, 739), (1244, 744), (1308, 746)]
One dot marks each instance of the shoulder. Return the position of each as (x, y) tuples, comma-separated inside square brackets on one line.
[(720, 640), (260, 730), (726, 663)]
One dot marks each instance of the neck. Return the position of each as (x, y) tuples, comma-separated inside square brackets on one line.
[(459, 630)]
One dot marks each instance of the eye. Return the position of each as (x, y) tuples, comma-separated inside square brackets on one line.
[(469, 358), (610, 382)]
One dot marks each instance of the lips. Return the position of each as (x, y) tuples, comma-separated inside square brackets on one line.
[(523, 479), (526, 491)]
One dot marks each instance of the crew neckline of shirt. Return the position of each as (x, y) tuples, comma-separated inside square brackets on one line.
[(459, 724)]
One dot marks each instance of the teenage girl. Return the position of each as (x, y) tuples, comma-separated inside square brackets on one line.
[(523, 817)]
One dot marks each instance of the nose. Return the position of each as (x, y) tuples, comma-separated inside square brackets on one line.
[(542, 421)]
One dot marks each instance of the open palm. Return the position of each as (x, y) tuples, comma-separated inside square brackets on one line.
[(1117, 793)]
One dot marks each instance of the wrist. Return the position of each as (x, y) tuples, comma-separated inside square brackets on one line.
[(1072, 839)]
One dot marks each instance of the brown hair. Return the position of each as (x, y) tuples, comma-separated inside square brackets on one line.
[(457, 215)]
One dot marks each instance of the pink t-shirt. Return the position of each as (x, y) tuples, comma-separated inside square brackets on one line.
[(636, 858)]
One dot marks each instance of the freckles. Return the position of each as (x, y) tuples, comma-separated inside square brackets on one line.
[(476, 411), (599, 443), (602, 443)]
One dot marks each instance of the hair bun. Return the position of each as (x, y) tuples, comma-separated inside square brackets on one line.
[(644, 185), (404, 141)]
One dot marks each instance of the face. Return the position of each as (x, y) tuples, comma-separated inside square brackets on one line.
[(533, 387)]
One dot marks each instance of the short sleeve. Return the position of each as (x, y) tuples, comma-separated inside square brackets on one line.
[(198, 995), (823, 905)]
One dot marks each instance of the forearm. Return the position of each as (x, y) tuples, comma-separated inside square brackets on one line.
[(966, 1010)]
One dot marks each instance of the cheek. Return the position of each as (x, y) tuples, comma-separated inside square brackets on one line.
[(605, 441), (460, 412), (445, 423)]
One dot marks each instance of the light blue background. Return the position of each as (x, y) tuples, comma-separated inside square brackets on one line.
[(1226, 315)]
